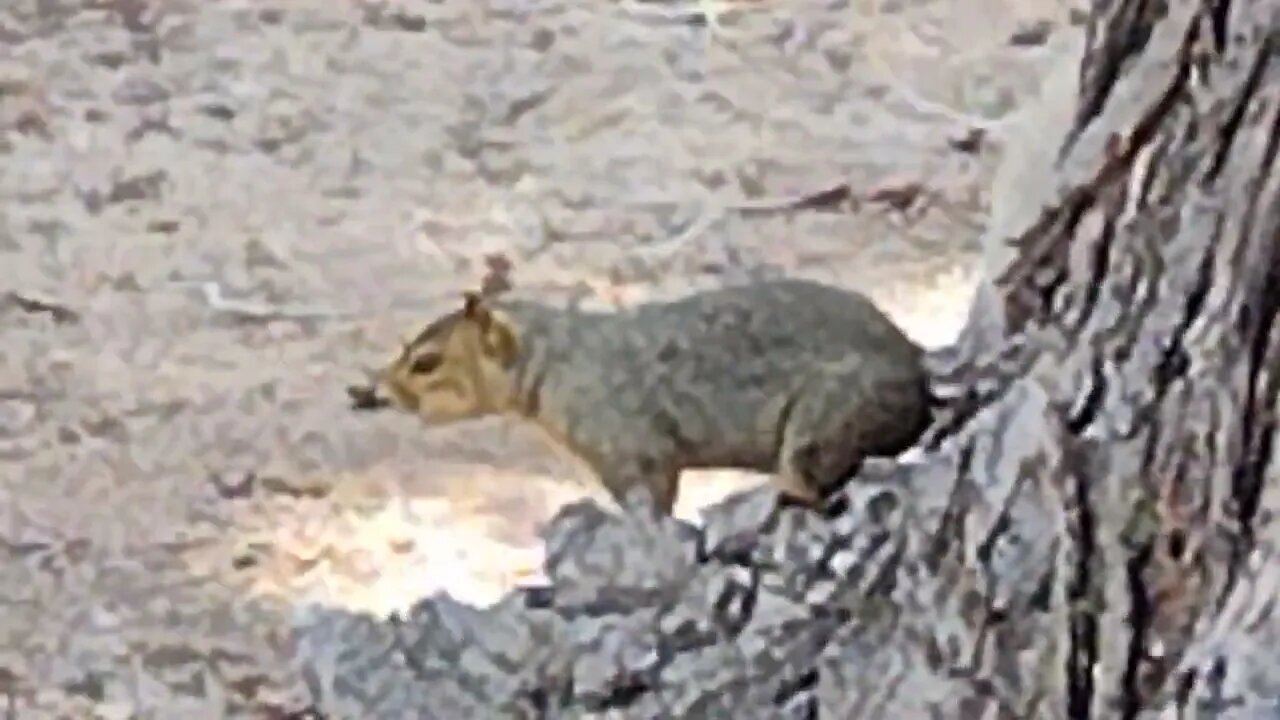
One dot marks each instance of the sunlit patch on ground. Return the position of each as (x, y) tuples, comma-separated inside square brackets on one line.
[(373, 549)]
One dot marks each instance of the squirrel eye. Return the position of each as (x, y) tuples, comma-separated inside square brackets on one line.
[(424, 364)]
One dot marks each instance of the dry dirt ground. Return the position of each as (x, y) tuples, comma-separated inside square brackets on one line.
[(213, 214)]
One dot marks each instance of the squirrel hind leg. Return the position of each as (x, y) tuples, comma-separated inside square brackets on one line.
[(795, 489), (810, 473), (820, 449)]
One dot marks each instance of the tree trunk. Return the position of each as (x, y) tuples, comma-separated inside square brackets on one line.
[(1093, 529)]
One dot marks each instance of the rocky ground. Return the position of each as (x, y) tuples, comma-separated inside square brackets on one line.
[(213, 215)]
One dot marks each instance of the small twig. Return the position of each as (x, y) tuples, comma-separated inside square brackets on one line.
[(699, 12), (61, 314), (250, 311), (900, 196), (707, 217), (827, 198), (712, 210), (680, 14), (297, 491)]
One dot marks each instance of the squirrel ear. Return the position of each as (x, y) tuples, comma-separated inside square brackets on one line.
[(473, 308), (470, 303)]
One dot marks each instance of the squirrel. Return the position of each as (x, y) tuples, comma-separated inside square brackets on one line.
[(789, 377)]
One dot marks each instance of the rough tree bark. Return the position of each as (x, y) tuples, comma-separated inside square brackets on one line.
[(1093, 529)]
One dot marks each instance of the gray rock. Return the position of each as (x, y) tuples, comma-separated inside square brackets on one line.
[(640, 620)]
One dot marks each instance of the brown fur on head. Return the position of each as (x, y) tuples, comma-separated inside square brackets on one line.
[(458, 367)]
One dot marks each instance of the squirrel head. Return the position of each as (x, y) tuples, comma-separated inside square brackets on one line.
[(457, 368)]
